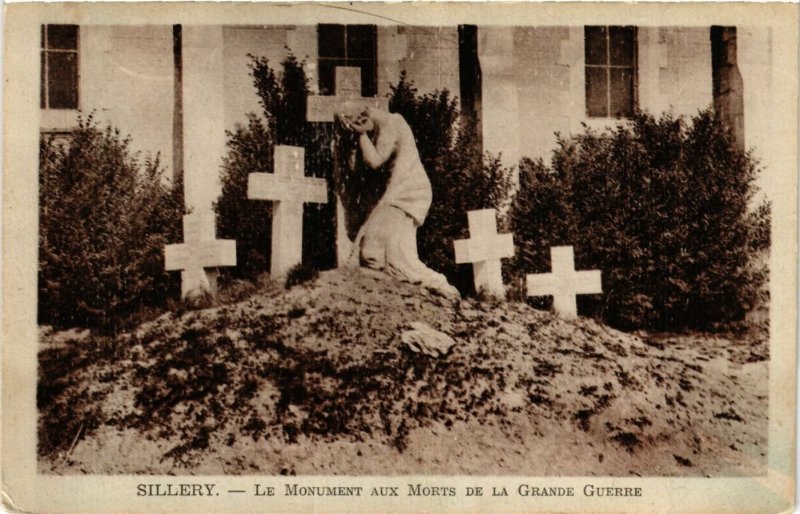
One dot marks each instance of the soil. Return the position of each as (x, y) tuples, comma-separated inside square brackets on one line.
[(315, 380)]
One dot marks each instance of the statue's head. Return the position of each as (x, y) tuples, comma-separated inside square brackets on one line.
[(363, 118), (366, 119)]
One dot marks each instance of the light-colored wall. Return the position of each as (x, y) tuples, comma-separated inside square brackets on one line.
[(534, 84), (270, 42), (527, 88), (758, 68), (429, 55), (684, 71), (126, 79), (203, 115)]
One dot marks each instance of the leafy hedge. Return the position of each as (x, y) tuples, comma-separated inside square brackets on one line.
[(104, 218), (661, 207)]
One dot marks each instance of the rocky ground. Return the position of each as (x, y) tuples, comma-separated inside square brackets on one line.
[(315, 380)]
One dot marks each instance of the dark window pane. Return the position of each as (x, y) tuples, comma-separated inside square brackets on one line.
[(622, 92), (42, 102), (62, 37), (596, 92), (622, 45), (327, 79), (41, 36), (368, 82), (62, 80), (595, 41), (361, 41), (330, 40), (350, 45)]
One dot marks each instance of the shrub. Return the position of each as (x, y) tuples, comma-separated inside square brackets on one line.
[(661, 207), (461, 178), (250, 149), (104, 219)]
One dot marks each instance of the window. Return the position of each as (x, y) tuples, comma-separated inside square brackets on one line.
[(610, 71), (59, 78), (347, 45)]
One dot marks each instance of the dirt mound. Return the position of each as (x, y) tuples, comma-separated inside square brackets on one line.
[(315, 380)]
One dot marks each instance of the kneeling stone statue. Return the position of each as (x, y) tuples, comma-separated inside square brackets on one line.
[(387, 241)]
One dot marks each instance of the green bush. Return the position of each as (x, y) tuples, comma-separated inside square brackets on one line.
[(250, 149), (661, 207), (104, 219), (461, 178)]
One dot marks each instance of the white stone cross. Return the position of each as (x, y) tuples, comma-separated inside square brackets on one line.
[(289, 188), (200, 251), (347, 97), (484, 250), (564, 283)]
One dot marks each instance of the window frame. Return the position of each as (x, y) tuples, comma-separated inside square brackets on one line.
[(607, 66), (44, 51), (370, 86)]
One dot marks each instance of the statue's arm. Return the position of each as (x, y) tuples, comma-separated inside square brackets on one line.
[(351, 159), (377, 154)]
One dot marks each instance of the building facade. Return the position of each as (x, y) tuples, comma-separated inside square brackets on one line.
[(177, 89)]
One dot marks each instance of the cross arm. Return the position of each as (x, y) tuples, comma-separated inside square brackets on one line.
[(323, 108), (200, 254)]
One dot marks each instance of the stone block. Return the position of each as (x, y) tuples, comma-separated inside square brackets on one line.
[(348, 81), (667, 35)]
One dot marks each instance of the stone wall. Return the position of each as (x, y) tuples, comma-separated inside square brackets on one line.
[(759, 75), (684, 77), (261, 41), (429, 55), (126, 79), (533, 78)]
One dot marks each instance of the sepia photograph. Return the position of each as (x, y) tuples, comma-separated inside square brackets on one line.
[(279, 245)]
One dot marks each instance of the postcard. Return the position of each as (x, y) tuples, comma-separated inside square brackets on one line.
[(407, 257)]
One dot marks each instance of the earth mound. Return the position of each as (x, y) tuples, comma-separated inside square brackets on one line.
[(316, 380)]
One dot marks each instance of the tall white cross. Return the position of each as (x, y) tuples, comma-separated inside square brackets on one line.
[(564, 283), (347, 99), (484, 250), (289, 188), (200, 251)]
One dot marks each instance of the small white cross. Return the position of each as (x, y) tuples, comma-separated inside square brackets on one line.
[(564, 283), (289, 188), (199, 251), (484, 250)]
